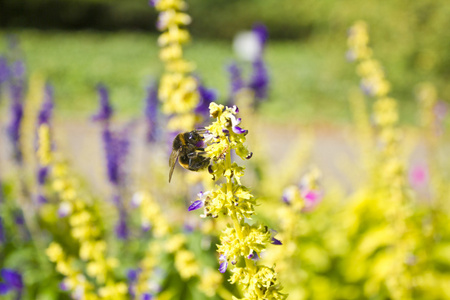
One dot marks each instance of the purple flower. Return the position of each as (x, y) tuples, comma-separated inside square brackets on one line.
[(122, 227), (105, 110), (153, 2), (13, 129), (223, 263), (63, 286), (236, 80), (206, 97), (42, 175), (202, 197), (195, 205), (151, 111), (274, 241), (147, 296), (259, 81), (41, 199), (234, 123), (4, 71), (132, 278), (261, 32), (18, 70), (45, 112), (132, 274), (12, 281), (253, 256), (111, 156)]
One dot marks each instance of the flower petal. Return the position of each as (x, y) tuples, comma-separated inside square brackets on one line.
[(238, 130), (4, 288), (223, 267), (276, 242), (196, 205)]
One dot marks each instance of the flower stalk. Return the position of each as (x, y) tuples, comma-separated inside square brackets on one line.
[(240, 242)]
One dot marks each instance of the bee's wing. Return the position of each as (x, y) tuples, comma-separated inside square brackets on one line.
[(172, 161)]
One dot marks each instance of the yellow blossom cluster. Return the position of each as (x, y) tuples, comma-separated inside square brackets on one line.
[(74, 280), (175, 244), (151, 215), (178, 87), (389, 172), (44, 145), (241, 242), (85, 229)]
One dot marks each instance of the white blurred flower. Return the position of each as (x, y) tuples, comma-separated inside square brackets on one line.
[(247, 45)]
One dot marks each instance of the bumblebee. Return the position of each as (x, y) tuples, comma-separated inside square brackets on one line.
[(187, 153)]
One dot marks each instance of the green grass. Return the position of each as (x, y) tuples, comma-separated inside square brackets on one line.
[(310, 81)]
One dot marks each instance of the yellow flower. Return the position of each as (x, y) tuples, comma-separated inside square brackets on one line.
[(55, 252), (45, 147), (186, 264)]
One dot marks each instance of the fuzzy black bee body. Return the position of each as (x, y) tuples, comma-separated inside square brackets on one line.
[(189, 155)]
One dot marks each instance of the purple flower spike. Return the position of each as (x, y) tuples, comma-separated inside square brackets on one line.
[(41, 199), (4, 70), (261, 31), (105, 110), (153, 2), (206, 97), (47, 105), (133, 274), (42, 175), (196, 205), (63, 286), (147, 296), (236, 80), (12, 278), (16, 91), (4, 288), (18, 70), (259, 81), (276, 242), (122, 228), (151, 111)]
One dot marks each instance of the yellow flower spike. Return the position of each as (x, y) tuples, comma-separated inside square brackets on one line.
[(210, 282), (55, 252), (178, 89), (240, 241), (174, 35), (64, 266), (163, 5), (44, 145), (172, 52), (186, 264), (175, 243), (170, 18)]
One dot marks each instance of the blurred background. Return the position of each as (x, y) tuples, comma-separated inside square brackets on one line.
[(315, 135), (77, 44)]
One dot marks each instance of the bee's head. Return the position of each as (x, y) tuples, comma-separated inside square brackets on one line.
[(194, 137)]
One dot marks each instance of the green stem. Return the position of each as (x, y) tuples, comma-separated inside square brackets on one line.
[(237, 224)]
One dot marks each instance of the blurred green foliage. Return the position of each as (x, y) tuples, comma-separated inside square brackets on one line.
[(410, 36)]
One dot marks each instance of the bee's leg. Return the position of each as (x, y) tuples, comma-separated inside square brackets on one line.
[(196, 154), (198, 163)]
